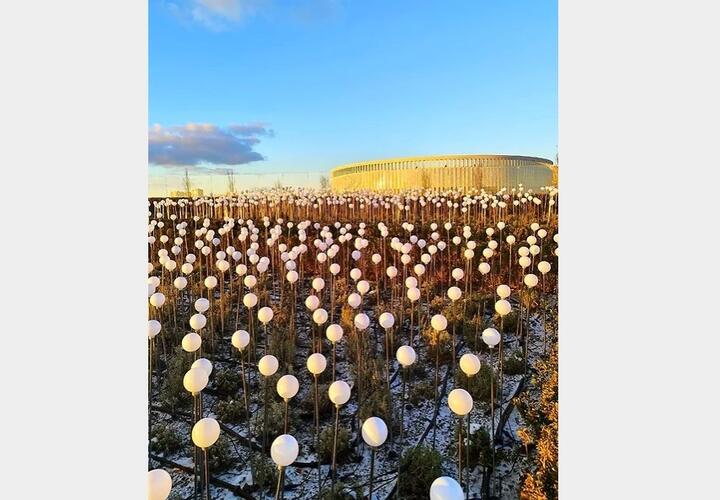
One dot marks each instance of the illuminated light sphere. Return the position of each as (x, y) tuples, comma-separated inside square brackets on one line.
[(180, 282), (203, 363), (458, 274), (157, 299), (316, 363), (391, 271), (413, 294), (318, 284), (469, 364), (268, 365), (374, 432), (503, 291), (419, 269), (250, 300), (387, 320), (334, 268), (361, 321), (484, 268), (491, 337), (334, 333), (439, 322), (198, 321), (510, 239), (191, 342), (265, 315), (186, 268), (454, 293), (355, 274), (312, 302), (287, 386), (205, 432), (363, 287), (524, 262), (250, 281), (339, 392), (503, 307), (354, 300), (446, 488), (202, 304), (195, 380), (210, 282), (292, 276), (530, 280), (159, 484), (460, 402), (405, 355), (284, 450), (154, 328), (523, 251), (320, 316), (240, 339), (544, 267)]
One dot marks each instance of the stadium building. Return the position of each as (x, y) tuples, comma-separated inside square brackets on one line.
[(462, 172)]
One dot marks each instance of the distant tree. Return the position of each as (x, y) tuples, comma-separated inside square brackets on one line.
[(324, 182), (187, 187), (278, 184), (231, 181)]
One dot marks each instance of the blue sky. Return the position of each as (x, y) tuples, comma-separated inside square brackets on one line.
[(318, 83)]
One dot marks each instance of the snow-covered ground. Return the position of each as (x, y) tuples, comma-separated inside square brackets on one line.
[(302, 478)]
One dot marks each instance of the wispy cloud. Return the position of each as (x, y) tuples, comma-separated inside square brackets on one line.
[(202, 145), (218, 14), (222, 15)]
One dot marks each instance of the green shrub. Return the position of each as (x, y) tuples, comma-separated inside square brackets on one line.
[(220, 455), (514, 365), (420, 466), (325, 406), (164, 440), (341, 493), (231, 411), (325, 445), (264, 471), (479, 384), (424, 391), (227, 382), (375, 405), (275, 420), (509, 322), (172, 393), (480, 450)]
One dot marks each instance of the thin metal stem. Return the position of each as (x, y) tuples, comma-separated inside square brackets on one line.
[(207, 475)]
